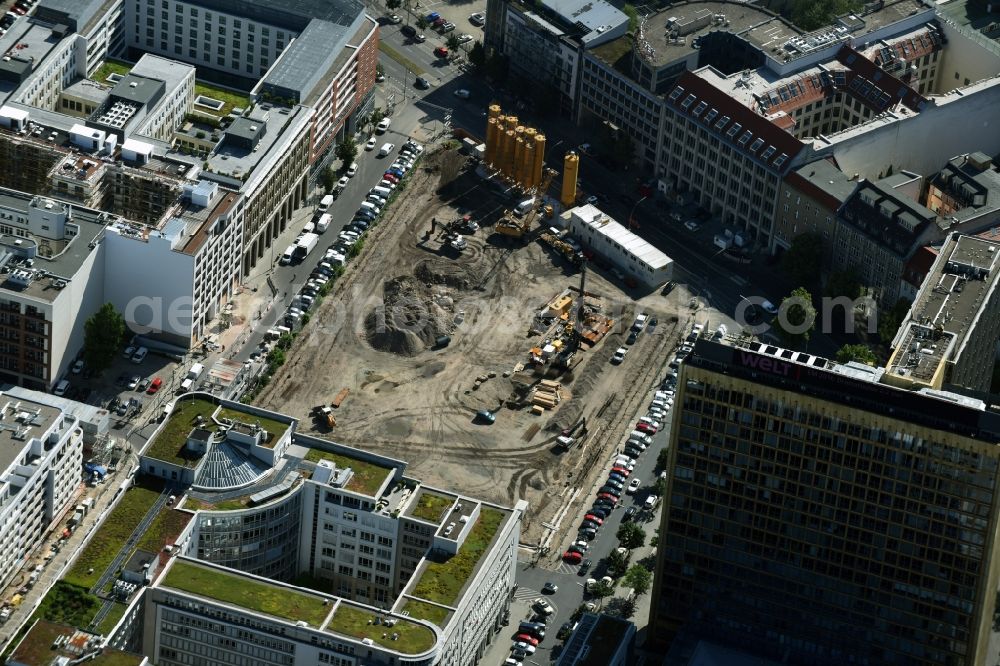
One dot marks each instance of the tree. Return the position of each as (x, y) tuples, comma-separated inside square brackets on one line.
[(796, 318), (452, 42), (888, 323), (804, 259), (661, 460), (601, 590), (660, 487), (638, 578), (477, 54), (617, 563), (103, 334), (843, 283), (377, 116), (422, 22), (813, 14), (633, 17), (347, 150), (328, 178), (860, 353), (393, 4), (620, 607), (631, 536)]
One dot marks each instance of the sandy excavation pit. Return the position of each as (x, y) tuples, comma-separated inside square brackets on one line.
[(376, 332)]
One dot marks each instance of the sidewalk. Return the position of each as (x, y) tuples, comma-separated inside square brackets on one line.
[(54, 568)]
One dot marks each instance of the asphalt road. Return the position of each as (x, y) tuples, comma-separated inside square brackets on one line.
[(570, 593)]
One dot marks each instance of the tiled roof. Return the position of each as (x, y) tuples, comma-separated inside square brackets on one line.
[(734, 123), (875, 86), (906, 49)]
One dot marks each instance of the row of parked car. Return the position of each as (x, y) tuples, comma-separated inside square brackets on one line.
[(529, 634), (366, 216), (17, 10)]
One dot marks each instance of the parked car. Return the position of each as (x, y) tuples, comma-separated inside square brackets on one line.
[(383, 125), (154, 386), (526, 638), (594, 518), (478, 18), (549, 588), (584, 568), (543, 606), (629, 513), (598, 511), (462, 93), (422, 83), (371, 144), (441, 52), (619, 355), (633, 486)]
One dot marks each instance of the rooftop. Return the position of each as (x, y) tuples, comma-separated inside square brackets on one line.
[(640, 248), (824, 182), (236, 160), (890, 219), (169, 440), (946, 310), (971, 184), (596, 640), (37, 648), (249, 592), (430, 505), (367, 477), (301, 65), (817, 377), (20, 422), (405, 636), (442, 581), (291, 14), (593, 17)]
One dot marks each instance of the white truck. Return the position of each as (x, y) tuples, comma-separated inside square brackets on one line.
[(323, 222), (305, 245)]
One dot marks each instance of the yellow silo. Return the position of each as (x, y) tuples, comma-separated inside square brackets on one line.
[(494, 110), (501, 143), (529, 159), (518, 174), (536, 167), (507, 161), (571, 165), (491, 141)]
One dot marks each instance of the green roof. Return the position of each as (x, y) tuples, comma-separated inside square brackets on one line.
[(411, 637), (367, 478), (615, 53), (248, 593), (430, 506), (36, 648), (441, 582), (170, 440), (423, 610)]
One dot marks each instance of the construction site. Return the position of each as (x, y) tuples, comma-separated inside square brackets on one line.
[(471, 340)]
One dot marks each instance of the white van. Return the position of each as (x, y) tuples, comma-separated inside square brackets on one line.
[(286, 257), (323, 223), (370, 206), (186, 385), (310, 228), (386, 149), (140, 355), (381, 191), (325, 203), (61, 387), (524, 206)]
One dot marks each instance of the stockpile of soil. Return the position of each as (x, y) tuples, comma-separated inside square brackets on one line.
[(410, 319)]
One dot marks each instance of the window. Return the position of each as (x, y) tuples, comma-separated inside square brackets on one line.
[(733, 130), (350, 516)]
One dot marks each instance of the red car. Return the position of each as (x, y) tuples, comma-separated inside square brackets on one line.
[(620, 470), (527, 638), (645, 427), (608, 496), (154, 386), (595, 518), (391, 177), (572, 557), (441, 52)]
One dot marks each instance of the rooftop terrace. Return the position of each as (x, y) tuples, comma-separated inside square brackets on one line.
[(430, 506), (168, 443), (37, 648), (403, 636)]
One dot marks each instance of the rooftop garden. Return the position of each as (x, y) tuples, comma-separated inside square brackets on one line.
[(196, 504), (169, 443), (430, 506), (616, 53), (411, 638), (166, 527), (68, 604), (230, 99), (274, 427), (109, 67), (367, 478), (111, 619), (421, 610), (441, 582), (37, 649), (105, 543), (251, 594)]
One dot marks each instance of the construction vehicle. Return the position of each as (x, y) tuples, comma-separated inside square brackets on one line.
[(563, 248), (511, 225), (575, 434), (325, 415)]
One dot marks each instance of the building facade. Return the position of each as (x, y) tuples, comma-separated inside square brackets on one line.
[(817, 514)]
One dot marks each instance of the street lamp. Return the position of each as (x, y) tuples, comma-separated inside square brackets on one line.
[(631, 215)]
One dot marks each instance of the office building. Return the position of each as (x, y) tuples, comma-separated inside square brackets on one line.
[(809, 198), (42, 444), (637, 259), (143, 167), (948, 338), (304, 551), (818, 513)]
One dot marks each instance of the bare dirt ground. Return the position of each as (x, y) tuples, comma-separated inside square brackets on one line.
[(375, 332)]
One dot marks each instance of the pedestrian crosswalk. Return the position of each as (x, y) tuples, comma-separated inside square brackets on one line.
[(566, 568), (526, 594)]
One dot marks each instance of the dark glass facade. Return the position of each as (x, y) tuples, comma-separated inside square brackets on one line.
[(819, 531)]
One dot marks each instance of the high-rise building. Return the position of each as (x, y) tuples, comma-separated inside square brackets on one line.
[(820, 516)]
